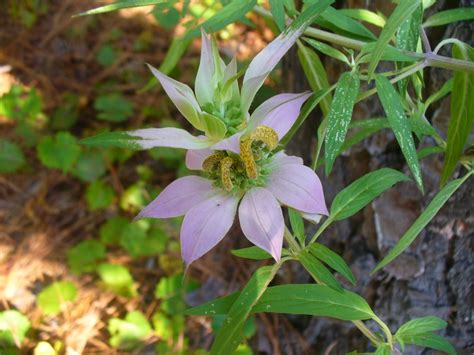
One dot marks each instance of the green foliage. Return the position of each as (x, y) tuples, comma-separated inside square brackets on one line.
[(112, 139), (166, 15), (138, 242), (99, 195), (51, 299), (129, 333), (120, 4), (85, 256), (430, 340), (333, 260), (134, 197), (167, 327), (327, 50), (89, 166), (65, 116), (297, 224), (13, 328), (59, 152), (118, 279), (11, 157), (449, 16), (171, 290), (113, 107), (106, 55), (253, 253), (277, 7), (111, 231), (318, 271)]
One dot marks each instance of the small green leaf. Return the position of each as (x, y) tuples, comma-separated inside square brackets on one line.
[(403, 10), (253, 253), (130, 333), (84, 256), (113, 139), (430, 340), (318, 271), (11, 157), (60, 151), (340, 116), (55, 295), (113, 107), (13, 328), (445, 89), (327, 50), (90, 166), (117, 278), (99, 195), (420, 326), (218, 306), (462, 113), (365, 15), (449, 16), (168, 17), (332, 259), (111, 231), (231, 333), (278, 11), (362, 191), (106, 55), (427, 215), (213, 126), (120, 4), (335, 19), (297, 224), (393, 106)]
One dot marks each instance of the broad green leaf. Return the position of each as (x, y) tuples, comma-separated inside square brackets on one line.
[(230, 335), (129, 333), (11, 157), (112, 139), (335, 18), (393, 106), (448, 16), (340, 116), (117, 278), (362, 191), (84, 256), (13, 328), (426, 216), (365, 15), (120, 4), (420, 326), (99, 195), (328, 50), (55, 295), (363, 129), (430, 340), (462, 113), (60, 151), (314, 300), (403, 10), (332, 259), (90, 166), (318, 271), (297, 224), (315, 74), (253, 253), (277, 7), (113, 107)]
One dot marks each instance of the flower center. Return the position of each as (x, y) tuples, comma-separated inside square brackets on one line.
[(234, 172)]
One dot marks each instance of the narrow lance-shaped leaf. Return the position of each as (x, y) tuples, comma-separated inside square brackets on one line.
[(421, 325), (332, 259), (340, 116), (327, 50), (335, 20), (430, 340), (365, 15), (254, 253), (448, 16), (462, 113), (362, 191), (363, 129), (318, 271), (392, 104), (410, 235), (230, 335), (122, 4), (297, 224), (277, 7), (401, 12)]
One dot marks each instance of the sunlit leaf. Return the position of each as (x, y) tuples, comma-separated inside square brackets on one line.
[(120, 4), (117, 278), (13, 328), (328, 50), (55, 295), (129, 333), (335, 19), (365, 15), (448, 16)]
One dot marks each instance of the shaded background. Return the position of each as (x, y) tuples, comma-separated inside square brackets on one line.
[(84, 75)]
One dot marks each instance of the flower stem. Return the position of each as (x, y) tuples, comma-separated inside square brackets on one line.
[(290, 239), (321, 229), (367, 332)]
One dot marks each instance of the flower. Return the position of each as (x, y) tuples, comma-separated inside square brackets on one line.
[(217, 107), (209, 205)]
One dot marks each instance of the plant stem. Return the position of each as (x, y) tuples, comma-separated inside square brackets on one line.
[(321, 229), (290, 239), (434, 60), (367, 332), (385, 329)]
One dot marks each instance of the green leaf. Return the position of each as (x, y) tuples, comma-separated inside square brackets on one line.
[(11, 157), (253, 253), (113, 139), (168, 17), (99, 195), (60, 151), (113, 107), (365, 15), (120, 4), (449, 16), (383, 349), (423, 153), (106, 55), (297, 224), (231, 333), (403, 10), (328, 50), (393, 106), (316, 76), (84, 256), (363, 129), (13, 328), (318, 271), (362, 191), (218, 306), (445, 89), (340, 116), (427, 215), (432, 341), (129, 333), (338, 19), (213, 126), (389, 53), (278, 11), (55, 295), (462, 113), (332, 259), (420, 326), (111, 231), (314, 300), (90, 166), (117, 278)]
